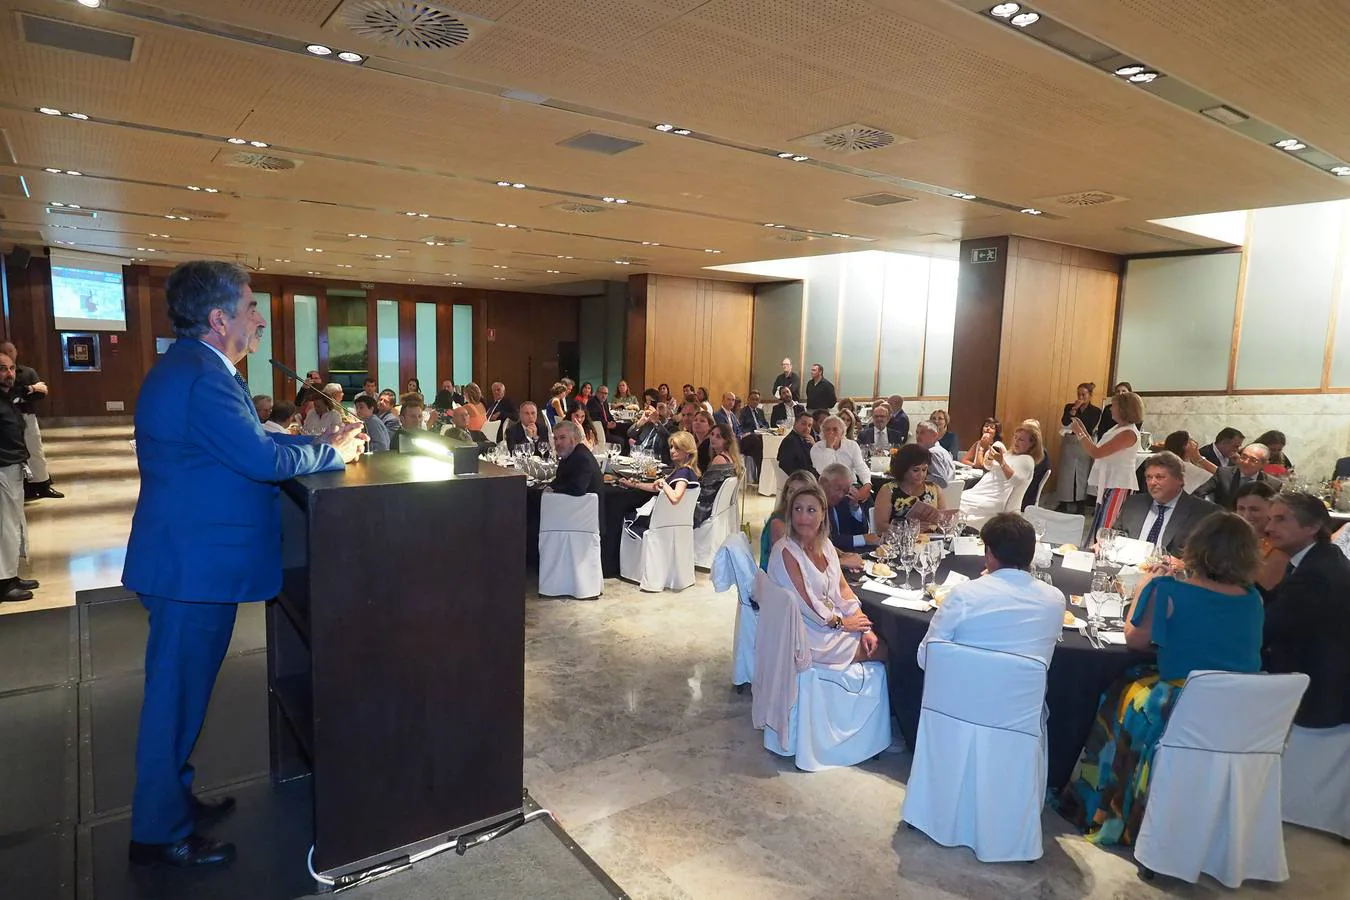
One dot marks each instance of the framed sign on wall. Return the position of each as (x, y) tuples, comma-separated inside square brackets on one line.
[(79, 352)]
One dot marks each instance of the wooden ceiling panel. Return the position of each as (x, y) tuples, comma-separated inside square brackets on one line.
[(589, 23), (780, 22)]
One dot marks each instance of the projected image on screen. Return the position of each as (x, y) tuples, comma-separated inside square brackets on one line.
[(87, 300)]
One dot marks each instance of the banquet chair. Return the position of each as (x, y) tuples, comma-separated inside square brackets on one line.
[(1015, 494), (569, 546), (837, 717), (734, 564), (1214, 792), (979, 773), (1037, 488), (1060, 528), (663, 557), (600, 437), (1316, 779), (710, 535), (493, 431), (951, 494)]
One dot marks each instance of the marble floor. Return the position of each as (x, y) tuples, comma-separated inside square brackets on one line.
[(636, 741)]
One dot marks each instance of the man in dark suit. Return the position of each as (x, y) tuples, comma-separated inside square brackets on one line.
[(848, 520), (578, 472), (1167, 514), (786, 409), (519, 434), (1307, 625), (649, 432), (1223, 451), (751, 444), (881, 433), (1342, 468), (598, 410), (794, 454), (788, 379), (899, 418), (752, 414), (206, 536), (819, 392), (501, 406), (1223, 487)]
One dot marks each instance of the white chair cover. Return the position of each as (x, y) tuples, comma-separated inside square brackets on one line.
[(1214, 797), (951, 494), (495, 431), (769, 477), (1014, 501), (719, 526), (734, 564), (979, 771), (569, 546), (1317, 779), (842, 717), (1060, 528), (600, 437), (663, 557)]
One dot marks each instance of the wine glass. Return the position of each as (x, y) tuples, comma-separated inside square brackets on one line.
[(1039, 528), (923, 564), (908, 559)]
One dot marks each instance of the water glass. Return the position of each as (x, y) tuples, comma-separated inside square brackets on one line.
[(908, 559)]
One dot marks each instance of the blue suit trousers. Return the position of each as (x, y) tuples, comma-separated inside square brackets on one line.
[(183, 654)]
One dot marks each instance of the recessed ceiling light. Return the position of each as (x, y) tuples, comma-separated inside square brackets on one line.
[(503, 184), (665, 127), (193, 187), (349, 56), (622, 262), (235, 140), (319, 50), (92, 4), (1005, 10), (683, 131), (1291, 144), (259, 144), (960, 196), (285, 260), (73, 206), (564, 257), (1127, 71), (712, 251), (1341, 171), (49, 111), (495, 266), (1144, 77), (785, 156), (1031, 212), (618, 200), (554, 272), (456, 282), (80, 116), (53, 171), (73, 172), (497, 278), (800, 158), (1022, 20)]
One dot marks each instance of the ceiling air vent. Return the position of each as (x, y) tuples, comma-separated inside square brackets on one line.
[(186, 213), (1079, 200), (793, 237), (850, 139), (882, 198), (596, 142), (67, 211), (405, 25), (575, 208), (263, 162), (77, 38)]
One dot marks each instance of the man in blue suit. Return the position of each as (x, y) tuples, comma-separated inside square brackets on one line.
[(206, 536)]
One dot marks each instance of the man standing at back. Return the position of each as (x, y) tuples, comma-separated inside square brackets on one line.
[(819, 392), (205, 537), (788, 379)]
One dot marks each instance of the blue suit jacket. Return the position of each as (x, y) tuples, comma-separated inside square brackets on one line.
[(207, 525)]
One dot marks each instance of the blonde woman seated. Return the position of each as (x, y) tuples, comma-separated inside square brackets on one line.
[(834, 447), (909, 495), (1009, 473), (775, 526), (806, 563), (684, 454)]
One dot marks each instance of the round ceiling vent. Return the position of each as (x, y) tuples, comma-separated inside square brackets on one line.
[(856, 140), (578, 209), (263, 161), (1087, 198), (405, 25)]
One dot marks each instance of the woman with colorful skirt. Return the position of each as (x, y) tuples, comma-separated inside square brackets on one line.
[(1113, 476)]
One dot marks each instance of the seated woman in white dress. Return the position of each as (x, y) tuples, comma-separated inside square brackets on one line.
[(1009, 473), (805, 563)]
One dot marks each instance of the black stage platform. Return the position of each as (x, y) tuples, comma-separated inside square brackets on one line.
[(70, 696)]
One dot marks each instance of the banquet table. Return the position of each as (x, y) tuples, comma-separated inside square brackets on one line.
[(1078, 671), (616, 502), (768, 476)]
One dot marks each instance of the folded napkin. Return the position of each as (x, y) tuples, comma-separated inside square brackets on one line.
[(1112, 637), (1131, 551), (968, 546), (953, 579), (891, 591)]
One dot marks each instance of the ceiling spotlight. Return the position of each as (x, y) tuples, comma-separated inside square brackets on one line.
[(564, 257), (554, 271), (410, 213), (495, 266), (960, 196), (56, 204), (517, 185), (683, 131), (53, 171), (1032, 212), (622, 262), (319, 50), (1341, 171), (349, 56), (800, 158), (258, 144), (712, 251), (665, 127), (73, 172), (1291, 144), (503, 184), (1144, 77), (1005, 10), (1127, 71), (235, 140), (73, 206), (92, 4), (618, 200), (49, 111), (456, 283), (193, 187), (1022, 20), (785, 156), (80, 116)]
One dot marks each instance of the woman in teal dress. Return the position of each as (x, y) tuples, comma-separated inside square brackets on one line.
[(774, 525), (1209, 619)]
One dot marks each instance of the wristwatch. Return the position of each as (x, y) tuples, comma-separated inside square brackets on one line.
[(838, 622)]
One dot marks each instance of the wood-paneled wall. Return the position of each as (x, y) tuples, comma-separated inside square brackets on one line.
[(976, 337), (696, 330), (1058, 326)]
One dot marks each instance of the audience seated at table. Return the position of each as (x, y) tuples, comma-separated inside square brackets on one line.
[(557, 403), (701, 425), (1253, 505), (1074, 464), (684, 416), (1165, 515), (583, 397), (1279, 464), (663, 393), (410, 411), (649, 433), (752, 414), (578, 473), (684, 457), (369, 388), (415, 387), (1223, 450), (529, 434), (849, 416), (377, 436), (1210, 620), (751, 445), (818, 417), (909, 495), (704, 402), (1006, 609), (833, 447), (387, 409), (322, 416), (473, 400), (313, 381), (1008, 471), (941, 468), (1198, 470), (880, 435), (806, 563), (1308, 614), (848, 520), (775, 526), (1113, 450), (946, 437), (991, 433), (447, 398), (282, 419), (724, 461), (1251, 464), (786, 409), (501, 408), (819, 390), (623, 396), (1038, 473), (1107, 421), (459, 429), (899, 418), (582, 419), (262, 405), (599, 411), (794, 452)]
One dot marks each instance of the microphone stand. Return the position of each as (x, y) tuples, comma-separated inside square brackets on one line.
[(347, 418)]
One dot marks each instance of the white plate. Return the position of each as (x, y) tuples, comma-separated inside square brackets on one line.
[(871, 569), (1058, 552), (1078, 624)]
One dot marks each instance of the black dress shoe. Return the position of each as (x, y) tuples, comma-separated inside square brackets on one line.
[(208, 812), (26, 584), (193, 851), (48, 491), (15, 595)]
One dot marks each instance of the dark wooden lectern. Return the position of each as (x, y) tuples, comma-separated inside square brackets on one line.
[(396, 654)]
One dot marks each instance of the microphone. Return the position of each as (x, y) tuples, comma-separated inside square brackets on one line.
[(284, 369)]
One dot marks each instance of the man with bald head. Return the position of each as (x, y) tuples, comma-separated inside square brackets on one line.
[(13, 454), (29, 389)]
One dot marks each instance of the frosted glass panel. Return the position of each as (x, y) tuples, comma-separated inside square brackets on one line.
[(386, 337), (462, 329), (937, 357), (426, 349), (862, 303), (1340, 350), (306, 333), (826, 280), (902, 325), (778, 331), (1176, 322), (1291, 271), (259, 369)]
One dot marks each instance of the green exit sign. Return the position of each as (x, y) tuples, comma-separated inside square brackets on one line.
[(984, 255)]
